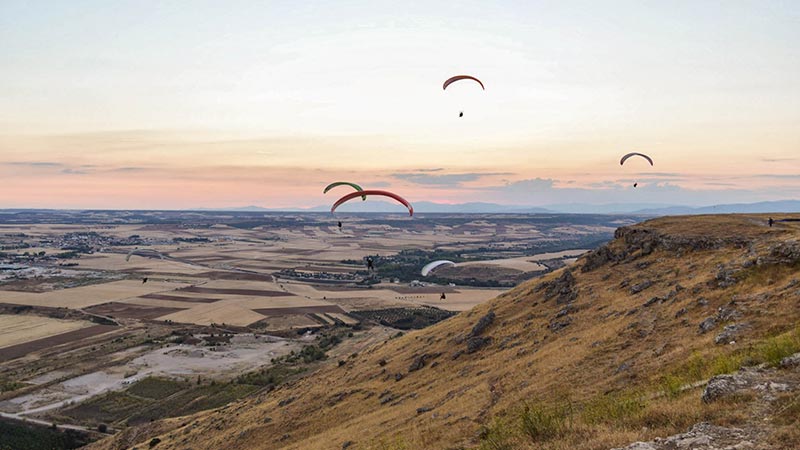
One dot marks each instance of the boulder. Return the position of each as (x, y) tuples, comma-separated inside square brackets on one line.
[(476, 343), (482, 325), (418, 363), (707, 325), (722, 386), (791, 362), (639, 287), (729, 333), (562, 288), (702, 436)]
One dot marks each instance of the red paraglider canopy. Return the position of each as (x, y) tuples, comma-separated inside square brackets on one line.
[(368, 192), (452, 80)]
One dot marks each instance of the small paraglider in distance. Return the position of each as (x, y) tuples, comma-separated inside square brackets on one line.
[(629, 155), (443, 297), (144, 280), (771, 222), (340, 224), (142, 252), (370, 263), (452, 80)]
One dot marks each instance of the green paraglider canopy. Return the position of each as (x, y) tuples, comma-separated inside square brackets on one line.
[(345, 183)]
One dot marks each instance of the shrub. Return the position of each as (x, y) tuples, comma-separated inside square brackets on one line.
[(613, 408), (540, 422), (774, 349), (496, 436)]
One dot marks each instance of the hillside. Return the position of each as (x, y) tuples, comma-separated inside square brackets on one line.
[(595, 356)]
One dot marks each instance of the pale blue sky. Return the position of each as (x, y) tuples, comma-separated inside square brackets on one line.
[(711, 88)]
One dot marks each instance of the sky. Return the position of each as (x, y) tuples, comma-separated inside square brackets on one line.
[(178, 104)]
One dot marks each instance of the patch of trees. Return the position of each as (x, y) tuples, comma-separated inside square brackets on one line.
[(68, 255), (405, 318), (28, 437)]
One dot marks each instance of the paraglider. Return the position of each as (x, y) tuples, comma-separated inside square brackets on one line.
[(370, 263), (430, 267), (143, 252), (144, 280), (344, 183), (368, 192), (629, 155), (452, 80), (340, 224), (625, 158)]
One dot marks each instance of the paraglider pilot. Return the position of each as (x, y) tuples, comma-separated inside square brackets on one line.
[(370, 263), (771, 222), (340, 224)]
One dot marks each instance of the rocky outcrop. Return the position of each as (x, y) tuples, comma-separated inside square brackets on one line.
[(641, 241), (639, 287), (476, 343), (762, 382), (725, 277), (562, 288), (723, 386), (729, 333), (600, 257), (707, 325), (791, 362), (418, 363), (559, 324), (647, 240), (784, 253), (483, 324), (703, 436)]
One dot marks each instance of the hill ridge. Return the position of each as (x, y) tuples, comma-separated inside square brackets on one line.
[(656, 308)]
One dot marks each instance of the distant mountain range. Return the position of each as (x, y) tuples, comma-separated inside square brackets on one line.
[(565, 208), (644, 209)]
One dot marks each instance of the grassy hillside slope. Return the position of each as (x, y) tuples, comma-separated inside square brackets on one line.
[(595, 356)]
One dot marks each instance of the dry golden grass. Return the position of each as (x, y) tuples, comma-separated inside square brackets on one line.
[(614, 344)]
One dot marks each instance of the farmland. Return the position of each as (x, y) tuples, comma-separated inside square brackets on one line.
[(93, 304)]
